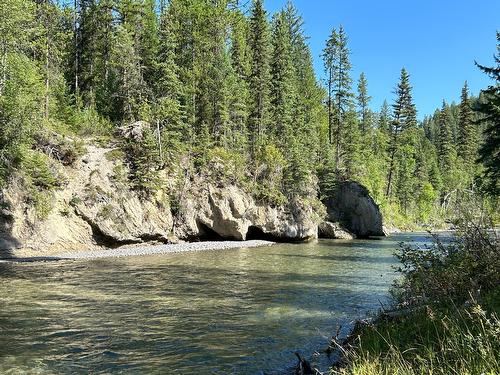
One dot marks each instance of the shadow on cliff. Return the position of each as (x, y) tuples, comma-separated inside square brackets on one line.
[(8, 243)]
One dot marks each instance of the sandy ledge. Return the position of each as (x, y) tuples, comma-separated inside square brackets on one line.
[(147, 250)]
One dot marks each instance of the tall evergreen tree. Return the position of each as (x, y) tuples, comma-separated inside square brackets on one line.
[(445, 140), (489, 108), (384, 118), (363, 104), (466, 141), (259, 75), (282, 94), (336, 55), (404, 120)]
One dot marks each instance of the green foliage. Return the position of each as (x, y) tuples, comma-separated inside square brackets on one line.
[(20, 110), (430, 341), (489, 108), (258, 42), (433, 330), (225, 167), (40, 178), (40, 171), (88, 122), (450, 271), (144, 161), (230, 96), (268, 179)]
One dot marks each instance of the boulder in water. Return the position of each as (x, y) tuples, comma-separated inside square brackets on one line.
[(351, 205)]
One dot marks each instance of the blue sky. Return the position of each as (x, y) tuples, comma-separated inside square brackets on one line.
[(437, 41)]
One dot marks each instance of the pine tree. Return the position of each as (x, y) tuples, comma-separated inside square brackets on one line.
[(363, 104), (259, 76), (127, 63), (384, 118), (336, 56), (167, 113), (238, 86), (328, 61)]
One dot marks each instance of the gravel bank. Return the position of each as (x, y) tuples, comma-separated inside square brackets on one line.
[(162, 249)]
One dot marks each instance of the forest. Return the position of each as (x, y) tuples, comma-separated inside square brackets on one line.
[(230, 91)]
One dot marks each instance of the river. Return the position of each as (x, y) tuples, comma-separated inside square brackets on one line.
[(239, 311)]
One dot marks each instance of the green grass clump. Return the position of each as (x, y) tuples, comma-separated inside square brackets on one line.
[(449, 340), (446, 319)]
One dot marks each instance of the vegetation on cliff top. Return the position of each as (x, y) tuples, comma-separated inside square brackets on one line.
[(223, 85)]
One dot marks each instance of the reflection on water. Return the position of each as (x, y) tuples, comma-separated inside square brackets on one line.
[(238, 311)]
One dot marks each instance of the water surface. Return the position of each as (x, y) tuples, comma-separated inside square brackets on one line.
[(218, 312)]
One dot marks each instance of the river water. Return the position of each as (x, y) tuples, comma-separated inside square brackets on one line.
[(217, 312)]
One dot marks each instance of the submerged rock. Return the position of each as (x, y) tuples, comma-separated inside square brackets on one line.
[(352, 206)]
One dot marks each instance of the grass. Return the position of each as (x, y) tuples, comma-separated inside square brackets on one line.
[(441, 340), (446, 316)]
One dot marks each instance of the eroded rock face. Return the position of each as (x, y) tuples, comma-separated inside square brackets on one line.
[(352, 206), (93, 209), (230, 213), (327, 229), (96, 207)]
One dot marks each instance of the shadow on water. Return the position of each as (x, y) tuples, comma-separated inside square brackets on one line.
[(343, 258), (222, 312)]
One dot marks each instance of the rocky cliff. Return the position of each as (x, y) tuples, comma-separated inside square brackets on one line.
[(96, 207), (351, 205)]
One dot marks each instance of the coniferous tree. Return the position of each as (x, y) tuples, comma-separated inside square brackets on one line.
[(404, 121), (445, 139), (384, 118), (282, 94), (467, 141), (363, 104), (336, 57), (259, 75), (239, 87), (489, 108)]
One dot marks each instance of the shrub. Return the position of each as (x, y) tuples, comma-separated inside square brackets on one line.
[(88, 122), (446, 320), (468, 264)]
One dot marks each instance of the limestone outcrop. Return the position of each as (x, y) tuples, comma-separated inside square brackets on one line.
[(327, 229), (231, 213), (352, 206), (96, 207)]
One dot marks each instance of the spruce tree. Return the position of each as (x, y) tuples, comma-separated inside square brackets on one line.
[(404, 120), (445, 140), (259, 75), (238, 87), (489, 108), (363, 104), (384, 118), (466, 140), (282, 94), (336, 57)]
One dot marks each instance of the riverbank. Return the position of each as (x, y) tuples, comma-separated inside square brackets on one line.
[(446, 313), (149, 250)]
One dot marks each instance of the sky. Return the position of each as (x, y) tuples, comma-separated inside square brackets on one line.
[(436, 41)]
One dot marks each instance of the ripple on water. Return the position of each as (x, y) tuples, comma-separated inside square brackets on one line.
[(231, 311)]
